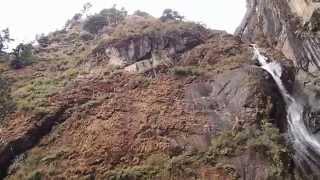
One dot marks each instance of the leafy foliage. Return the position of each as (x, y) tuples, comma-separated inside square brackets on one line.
[(23, 56), (186, 71), (106, 17), (141, 13), (43, 40), (169, 14), (95, 23), (267, 142), (86, 7)]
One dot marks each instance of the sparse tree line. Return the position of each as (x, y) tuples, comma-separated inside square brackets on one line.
[(113, 16), (22, 55)]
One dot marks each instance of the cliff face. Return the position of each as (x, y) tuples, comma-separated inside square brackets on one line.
[(289, 26), (292, 27)]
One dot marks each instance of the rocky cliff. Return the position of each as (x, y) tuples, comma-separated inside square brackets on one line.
[(151, 99), (291, 27)]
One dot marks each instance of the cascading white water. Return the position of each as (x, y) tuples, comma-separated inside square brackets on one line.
[(306, 145)]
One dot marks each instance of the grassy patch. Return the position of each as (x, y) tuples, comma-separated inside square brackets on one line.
[(267, 142), (34, 96), (187, 71)]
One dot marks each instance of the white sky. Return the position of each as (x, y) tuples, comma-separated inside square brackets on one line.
[(26, 18)]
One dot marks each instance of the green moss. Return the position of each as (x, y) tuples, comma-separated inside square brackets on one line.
[(187, 71)]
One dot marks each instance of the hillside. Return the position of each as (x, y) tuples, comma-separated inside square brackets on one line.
[(137, 97)]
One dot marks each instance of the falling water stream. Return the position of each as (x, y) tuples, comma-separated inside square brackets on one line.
[(305, 144)]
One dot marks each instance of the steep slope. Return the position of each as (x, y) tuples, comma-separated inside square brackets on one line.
[(292, 27), (145, 99)]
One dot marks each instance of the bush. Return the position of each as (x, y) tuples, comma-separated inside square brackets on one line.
[(169, 14), (23, 56), (186, 71), (43, 40), (94, 23), (4, 40), (142, 14), (267, 142), (106, 17)]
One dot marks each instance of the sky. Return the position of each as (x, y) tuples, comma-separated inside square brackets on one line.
[(27, 18)]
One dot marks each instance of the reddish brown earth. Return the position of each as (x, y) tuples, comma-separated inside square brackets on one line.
[(105, 123)]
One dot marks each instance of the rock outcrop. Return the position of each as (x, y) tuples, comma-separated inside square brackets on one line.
[(281, 24), (291, 27)]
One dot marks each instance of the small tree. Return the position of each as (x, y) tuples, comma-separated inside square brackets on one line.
[(86, 8), (113, 15), (42, 40), (106, 17), (4, 39), (169, 14), (95, 23), (23, 56), (141, 13)]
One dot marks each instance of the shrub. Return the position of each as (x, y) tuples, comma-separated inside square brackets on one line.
[(94, 23), (43, 40), (186, 71), (169, 14), (134, 173), (267, 142), (4, 40), (106, 17), (142, 14), (23, 56)]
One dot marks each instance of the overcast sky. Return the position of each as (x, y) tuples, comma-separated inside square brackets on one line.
[(26, 18)]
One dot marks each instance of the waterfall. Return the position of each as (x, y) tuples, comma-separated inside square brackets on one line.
[(305, 144)]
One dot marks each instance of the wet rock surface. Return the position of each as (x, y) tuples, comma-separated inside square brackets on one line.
[(278, 24)]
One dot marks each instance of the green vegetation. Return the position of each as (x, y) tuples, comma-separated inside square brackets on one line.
[(27, 166), (151, 26), (267, 142), (35, 176), (34, 96), (43, 40), (138, 172), (169, 14), (23, 56), (142, 14), (6, 102), (154, 166), (186, 71), (4, 40), (106, 17)]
